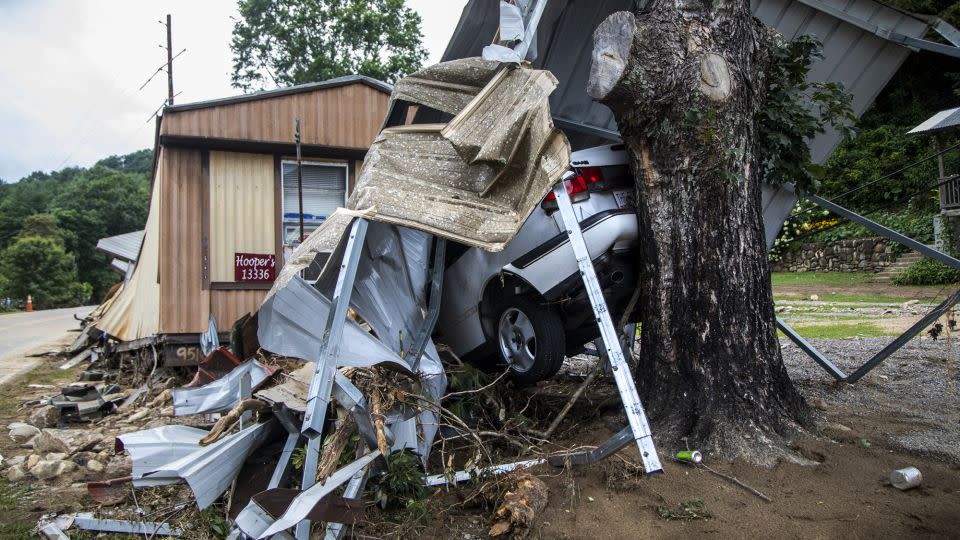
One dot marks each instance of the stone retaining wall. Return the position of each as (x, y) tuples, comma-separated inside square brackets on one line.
[(849, 255)]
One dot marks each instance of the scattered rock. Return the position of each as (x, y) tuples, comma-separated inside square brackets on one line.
[(161, 399), (16, 460), (95, 466), (46, 469), (139, 415), (48, 442), (45, 417), (32, 460), (21, 432), (55, 456), (16, 473)]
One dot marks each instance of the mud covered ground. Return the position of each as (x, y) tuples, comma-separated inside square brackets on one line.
[(905, 413)]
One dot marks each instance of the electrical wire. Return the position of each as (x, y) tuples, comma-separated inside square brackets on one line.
[(880, 179), (881, 207)]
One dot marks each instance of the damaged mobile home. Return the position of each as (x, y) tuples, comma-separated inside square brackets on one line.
[(472, 151)]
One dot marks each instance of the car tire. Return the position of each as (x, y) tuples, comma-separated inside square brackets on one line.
[(530, 339)]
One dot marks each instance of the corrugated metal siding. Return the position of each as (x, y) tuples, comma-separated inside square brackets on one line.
[(184, 305), (228, 306), (346, 116), (241, 209), (862, 61)]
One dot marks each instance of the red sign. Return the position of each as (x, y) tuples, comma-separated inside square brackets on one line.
[(254, 267)]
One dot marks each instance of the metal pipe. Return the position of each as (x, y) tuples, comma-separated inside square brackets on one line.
[(811, 351), (884, 231), (299, 179)]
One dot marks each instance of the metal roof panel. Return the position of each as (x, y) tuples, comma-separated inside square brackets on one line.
[(942, 120), (863, 61), (125, 247)]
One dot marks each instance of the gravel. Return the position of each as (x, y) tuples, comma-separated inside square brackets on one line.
[(916, 386)]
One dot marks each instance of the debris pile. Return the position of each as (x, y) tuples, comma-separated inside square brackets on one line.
[(336, 384)]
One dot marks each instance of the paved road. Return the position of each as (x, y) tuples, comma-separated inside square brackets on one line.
[(24, 333)]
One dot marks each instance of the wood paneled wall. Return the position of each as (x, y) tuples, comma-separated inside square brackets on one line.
[(184, 304), (228, 306), (345, 116)]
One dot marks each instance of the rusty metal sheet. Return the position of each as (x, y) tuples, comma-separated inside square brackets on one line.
[(330, 508)]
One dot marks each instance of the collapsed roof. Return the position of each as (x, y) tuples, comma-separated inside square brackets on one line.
[(864, 44)]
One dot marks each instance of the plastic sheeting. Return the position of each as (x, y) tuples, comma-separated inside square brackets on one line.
[(476, 179)]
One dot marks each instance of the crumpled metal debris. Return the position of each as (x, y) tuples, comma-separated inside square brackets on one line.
[(222, 394), (389, 295), (171, 454)]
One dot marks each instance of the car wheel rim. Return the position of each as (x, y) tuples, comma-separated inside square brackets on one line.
[(518, 341)]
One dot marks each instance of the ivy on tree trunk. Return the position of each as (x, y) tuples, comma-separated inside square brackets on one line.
[(685, 80)]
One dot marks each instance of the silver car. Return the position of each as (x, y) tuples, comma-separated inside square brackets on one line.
[(526, 305)]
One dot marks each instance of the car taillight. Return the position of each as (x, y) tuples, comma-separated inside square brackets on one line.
[(580, 183)]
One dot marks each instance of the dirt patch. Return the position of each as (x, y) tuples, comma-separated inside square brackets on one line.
[(903, 414)]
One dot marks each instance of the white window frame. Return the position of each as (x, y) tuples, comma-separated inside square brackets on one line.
[(346, 184)]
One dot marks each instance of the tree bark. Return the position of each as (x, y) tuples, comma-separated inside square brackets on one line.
[(685, 79)]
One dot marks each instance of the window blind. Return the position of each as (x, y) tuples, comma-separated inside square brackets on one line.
[(324, 189)]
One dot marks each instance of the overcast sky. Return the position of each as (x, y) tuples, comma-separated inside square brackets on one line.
[(70, 72)]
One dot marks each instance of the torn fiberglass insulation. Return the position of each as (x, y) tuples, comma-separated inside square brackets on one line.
[(476, 179)]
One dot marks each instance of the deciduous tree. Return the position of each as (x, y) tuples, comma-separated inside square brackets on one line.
[(687, 81), (287, 42)]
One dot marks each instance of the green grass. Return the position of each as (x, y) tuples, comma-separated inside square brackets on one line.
[(841, 297), (18, 530), (843, 331), (836, 279)]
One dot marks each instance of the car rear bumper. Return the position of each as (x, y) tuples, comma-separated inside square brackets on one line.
[(548, 267)]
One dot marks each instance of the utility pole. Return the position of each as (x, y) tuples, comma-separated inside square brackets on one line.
[(169, 63), (296, 137)]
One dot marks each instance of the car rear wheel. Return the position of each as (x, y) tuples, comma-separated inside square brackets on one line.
[(530, 339)]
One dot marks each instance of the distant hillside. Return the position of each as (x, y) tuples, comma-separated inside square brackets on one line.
[(50, 224)]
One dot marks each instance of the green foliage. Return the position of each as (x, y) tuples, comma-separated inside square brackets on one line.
[(926, 83), (41, 267), (795, 111), (915, 225), (402, 486), (217, 524), (77, 207), (808, 218), (927, 272), (298, 457), (876, 152), (689, 510), (139, 162), (287, 42), (42, 225)]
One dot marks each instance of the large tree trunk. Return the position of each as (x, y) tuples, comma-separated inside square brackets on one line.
[(684, 79)]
